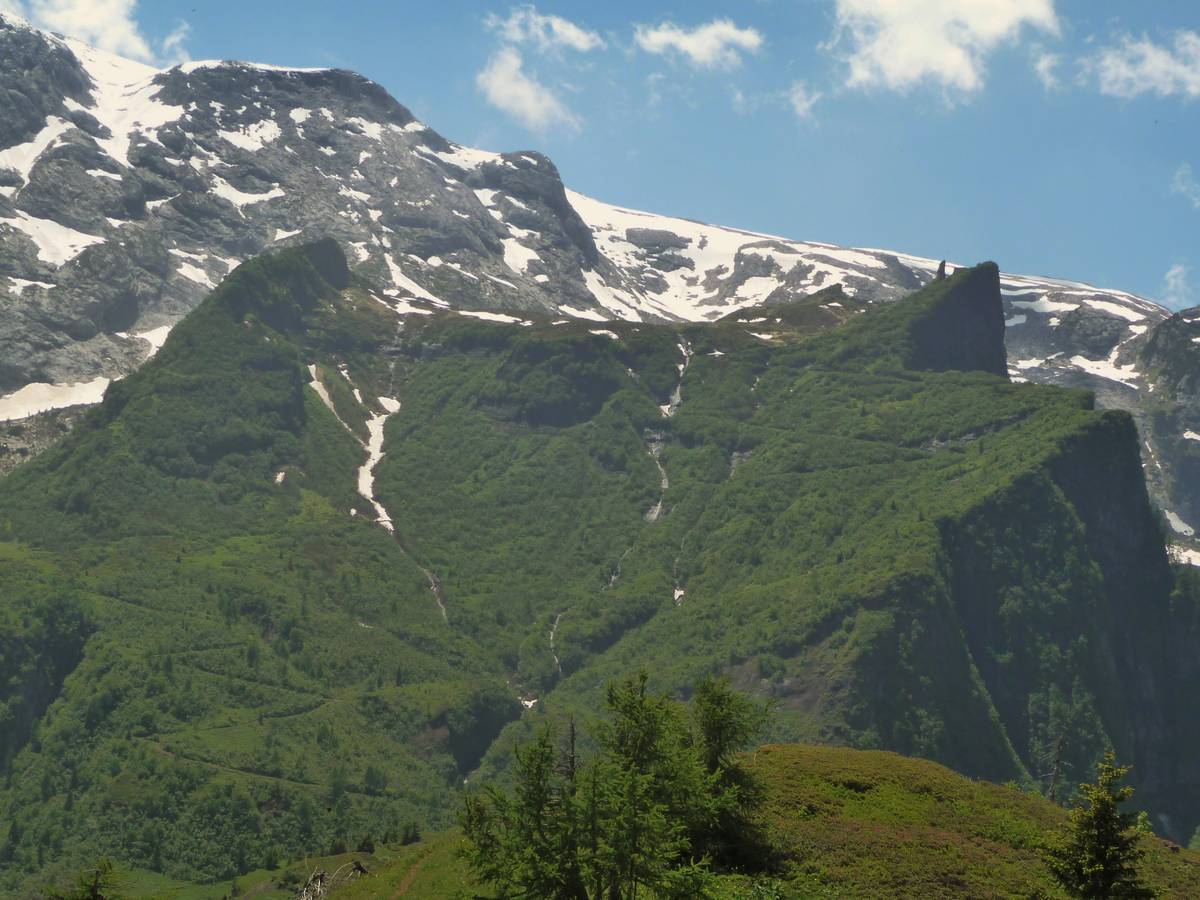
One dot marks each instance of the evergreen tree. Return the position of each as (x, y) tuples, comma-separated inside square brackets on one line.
[(725, 722), (636, 820), (527, 845), (1099, 854), (655, 795), (99, 882)]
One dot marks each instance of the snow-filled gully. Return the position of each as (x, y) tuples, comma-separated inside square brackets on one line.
[(677, 395), (366, 472), (654, 440), (553, 632)]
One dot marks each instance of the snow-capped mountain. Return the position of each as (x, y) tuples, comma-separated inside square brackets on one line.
[(127, 193)]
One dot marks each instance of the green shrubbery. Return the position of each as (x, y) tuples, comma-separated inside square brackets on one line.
[(249, 648), (659, 803)]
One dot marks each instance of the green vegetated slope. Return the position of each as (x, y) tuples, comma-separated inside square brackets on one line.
[(864, 520), (851, 823)]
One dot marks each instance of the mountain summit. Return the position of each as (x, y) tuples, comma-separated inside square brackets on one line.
[(127, 193)]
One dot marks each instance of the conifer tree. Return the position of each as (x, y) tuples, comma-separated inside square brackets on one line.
[(1099, 854), (636, 820)]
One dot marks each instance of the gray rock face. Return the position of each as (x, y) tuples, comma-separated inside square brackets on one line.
[(127, 193)]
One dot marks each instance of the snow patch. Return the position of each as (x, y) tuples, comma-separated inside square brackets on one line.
[(1185, 555), (589, 314), (20, 284), (227, 191), (488, 316), (517, 256), (23, 156), (125, 97), (56, 244), (40, 397), (374, 447), (255, 137), (1179, 526)]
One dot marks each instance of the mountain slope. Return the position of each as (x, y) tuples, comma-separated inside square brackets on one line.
[(261, 664), (327, 561), (851, 824), (126, 193)]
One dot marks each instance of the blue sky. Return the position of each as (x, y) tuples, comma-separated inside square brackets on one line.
[(1058, 137)]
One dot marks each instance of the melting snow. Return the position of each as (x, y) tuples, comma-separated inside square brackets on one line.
[(1107, 368), (253, 137), (125, 96), (1186, 555), (621, 304), (1045, 305), (56, 244), (366, 473), (487, 316), (227, 191), (317, 385), (465, 157), (23, 156), (517, 256), (373, 130), (1121, 312), (194, 273), (1180, 526), (583, 313), (39, 397), (20, 284), (155, 337), (404, 283)]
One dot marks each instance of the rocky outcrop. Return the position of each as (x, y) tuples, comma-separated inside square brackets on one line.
[(964, 329), (1064, 595)]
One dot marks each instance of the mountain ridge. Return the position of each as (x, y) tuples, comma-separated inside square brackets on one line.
[(329, 561), (127, 192)]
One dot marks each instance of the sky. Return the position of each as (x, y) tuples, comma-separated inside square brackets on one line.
[(1057, 137)]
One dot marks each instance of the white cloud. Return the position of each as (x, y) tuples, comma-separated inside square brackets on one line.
[(1184, 183), (1141, 66), (802, 99), (1177, 291), (108, 24), (1046, 66), (719, 44), (526, 25), (898, 44), (172, 48), (509, 88)]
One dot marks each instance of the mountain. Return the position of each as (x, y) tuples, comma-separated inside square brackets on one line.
[(127, 193), (313, 565)]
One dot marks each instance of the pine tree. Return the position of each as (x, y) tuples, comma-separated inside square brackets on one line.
[(99, 882), (521, 844), (1099, 854), (634, 821), (725, 722), (656, 795)]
